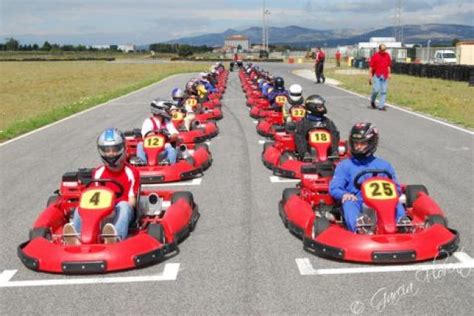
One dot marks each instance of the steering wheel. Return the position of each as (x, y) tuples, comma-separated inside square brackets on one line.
[(374, 173), (102, 181)]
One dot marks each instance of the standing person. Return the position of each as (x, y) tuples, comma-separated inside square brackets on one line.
[(379, 74), (338, 58), (319, 65)]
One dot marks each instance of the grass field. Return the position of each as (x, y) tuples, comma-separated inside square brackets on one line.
[(34, 94), (449, 100)]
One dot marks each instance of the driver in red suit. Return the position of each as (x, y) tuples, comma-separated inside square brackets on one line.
[(111, 146)]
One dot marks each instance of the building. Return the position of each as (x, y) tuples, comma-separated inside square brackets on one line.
[(234, 41), (465, 52), (127, 48), (395, 49)]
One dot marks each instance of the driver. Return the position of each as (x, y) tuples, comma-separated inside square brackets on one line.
[(111, 146), (315, 117), (296, 99), (278, 90), (363, 140), (160, 120)]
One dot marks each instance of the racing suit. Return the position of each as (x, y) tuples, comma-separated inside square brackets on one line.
[(343, 182), (309, 122), (273, 95), (150, 124)]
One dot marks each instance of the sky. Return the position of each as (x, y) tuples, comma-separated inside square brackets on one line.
[(150, 21)]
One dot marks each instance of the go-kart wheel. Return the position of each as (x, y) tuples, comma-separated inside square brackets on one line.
[(411, 193), (266, 145), (320, 224), (156, 231), (281, 212), (436, 219), (43, 232), (186, 195), (202, 145), (289, 192), (285, 157), (51, 200)]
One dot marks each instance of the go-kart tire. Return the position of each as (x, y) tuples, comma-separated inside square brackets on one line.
[(320, 224), (51, 200), (411, 193), (289, 192), (285, 157), (281, 212), (156, 231), (43, 232), (186, 195), (436, 219), (202, 145), (267, 144)]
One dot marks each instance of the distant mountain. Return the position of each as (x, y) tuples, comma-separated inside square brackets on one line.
[(304, 37)]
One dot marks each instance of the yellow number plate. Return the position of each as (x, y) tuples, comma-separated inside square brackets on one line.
[(96, 199), (177, 115), (380, 190), (298, 112), (320, 137), (280, 99), (154, 142), (191, 102)]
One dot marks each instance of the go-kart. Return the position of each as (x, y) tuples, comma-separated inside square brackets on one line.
[(162, 219), (274, 121), (262, 109), (203, 112), (310, 213), (280, 156), (199, 132), (191, 163)]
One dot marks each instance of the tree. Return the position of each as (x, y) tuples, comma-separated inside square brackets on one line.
[(455, 41), (35, 46), (239, 48), (46, 46), (11, 44), (184, 51)]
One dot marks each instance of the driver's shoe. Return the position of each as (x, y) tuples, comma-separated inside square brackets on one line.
[(404, 225), (365, 225), (136, 161), (109, 234), (70, 235)]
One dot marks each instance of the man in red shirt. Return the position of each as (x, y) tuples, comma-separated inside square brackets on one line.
[(338, 58), (111, 146), (379, 75), (319, 65)]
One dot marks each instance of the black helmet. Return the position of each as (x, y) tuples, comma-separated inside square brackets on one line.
[(315, 105), (363, 133), (161, 107), (279, 84)]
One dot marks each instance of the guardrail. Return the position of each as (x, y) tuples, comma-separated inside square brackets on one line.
[(446, 72)]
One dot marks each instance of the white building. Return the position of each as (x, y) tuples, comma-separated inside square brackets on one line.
[(126, 48), (235, 40)]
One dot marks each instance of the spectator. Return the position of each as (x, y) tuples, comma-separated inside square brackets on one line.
[(338, 58), (379, 74), (319, 65)]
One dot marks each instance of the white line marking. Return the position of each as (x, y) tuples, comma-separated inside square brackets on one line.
[(401, 109), (276, 179), (196, 181), (255, 121), (170, 273), (85, 111), (262, 141), (306, 268)]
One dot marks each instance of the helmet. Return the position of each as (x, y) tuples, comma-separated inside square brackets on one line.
[(363, 133), (161, 107), (203, 75), (111, 147), (296, 92), (279, 84), (177, 94), (190, 88), (315, 105)]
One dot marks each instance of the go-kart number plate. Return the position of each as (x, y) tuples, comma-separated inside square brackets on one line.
[(154, 142), (96, 199), (177, 115), (320, 137), (298, 112), (380, 190), (191, 102), (280, 99)]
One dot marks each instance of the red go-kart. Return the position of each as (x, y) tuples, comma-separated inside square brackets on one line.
[(191, 163), (280, 155), (309, 212), (274, 122), (199, 132), (163, 218), (204, 112)]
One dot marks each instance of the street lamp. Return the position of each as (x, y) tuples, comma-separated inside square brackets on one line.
[(429, 54)]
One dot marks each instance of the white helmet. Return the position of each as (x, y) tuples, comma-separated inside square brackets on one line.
[(296, 92)]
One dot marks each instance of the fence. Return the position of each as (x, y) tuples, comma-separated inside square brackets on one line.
[(447, 72)]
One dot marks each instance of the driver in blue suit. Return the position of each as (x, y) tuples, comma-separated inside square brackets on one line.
[(363, 141)]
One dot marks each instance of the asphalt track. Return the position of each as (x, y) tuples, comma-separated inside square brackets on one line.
[(240, 259)]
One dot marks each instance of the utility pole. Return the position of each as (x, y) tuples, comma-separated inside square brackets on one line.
[(398, 21), (264, 33)]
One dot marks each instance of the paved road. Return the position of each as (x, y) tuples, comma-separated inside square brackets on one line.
[(240, 259)]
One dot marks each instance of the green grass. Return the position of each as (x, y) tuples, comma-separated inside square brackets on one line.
[(38, 93), (448, 100)]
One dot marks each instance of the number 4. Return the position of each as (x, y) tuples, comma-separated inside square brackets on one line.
[(95, 199)]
